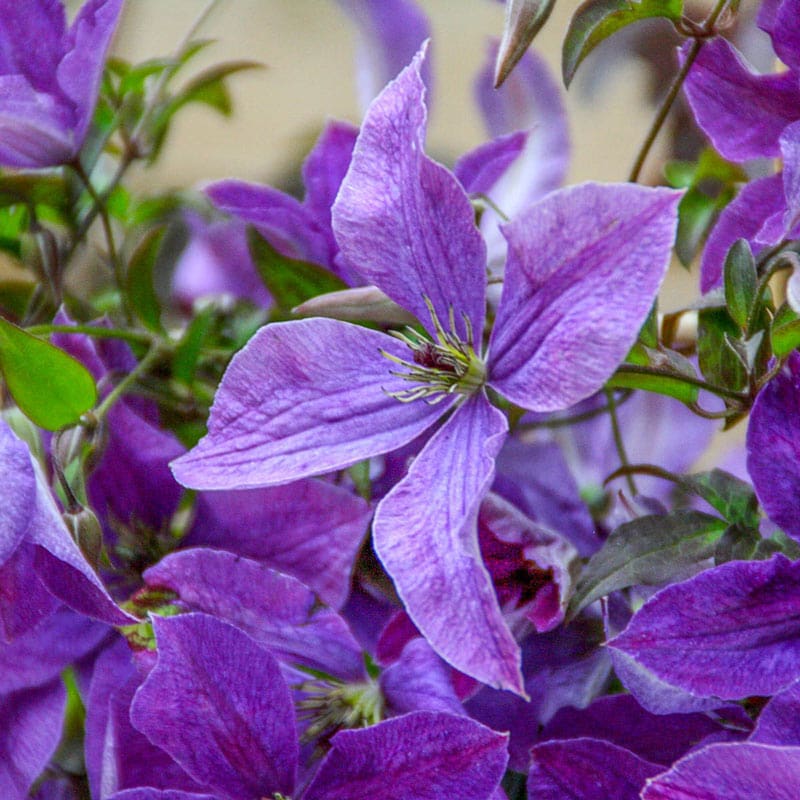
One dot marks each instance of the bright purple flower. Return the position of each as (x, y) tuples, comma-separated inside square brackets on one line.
[(49, 78), (319, 395), (773, 443)]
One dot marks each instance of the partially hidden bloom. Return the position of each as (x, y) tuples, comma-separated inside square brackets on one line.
[(317, 395), (49, 78)]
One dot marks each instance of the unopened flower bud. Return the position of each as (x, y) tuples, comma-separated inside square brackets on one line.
[(365, 303), (87, 533)]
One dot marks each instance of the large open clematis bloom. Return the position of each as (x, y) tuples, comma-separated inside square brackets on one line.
[(49, 78), (317, 395)]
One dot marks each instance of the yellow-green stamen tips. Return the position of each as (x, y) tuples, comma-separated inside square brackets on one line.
[(330, 706), (439, 368)]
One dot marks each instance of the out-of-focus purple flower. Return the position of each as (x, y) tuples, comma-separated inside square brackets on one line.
[(49, 78), (569, 313), (773, 442)]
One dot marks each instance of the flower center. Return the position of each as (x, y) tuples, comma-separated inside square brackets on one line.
[(439, 368)]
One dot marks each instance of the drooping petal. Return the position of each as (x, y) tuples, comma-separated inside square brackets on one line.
[(390, 33), (584, 267), (730, 772), (403, 221), (731, 631), (585, 769), (742, 113), (479, 169), (785, 32), (309, 529), (779, 721), (30, 729), (19, 491), (428, 756), (276, 610), (303, 398), (425, 534), (743, 218), (217, 703), (773, 447)]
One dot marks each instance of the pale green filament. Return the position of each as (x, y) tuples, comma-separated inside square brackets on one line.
[(332, 706)]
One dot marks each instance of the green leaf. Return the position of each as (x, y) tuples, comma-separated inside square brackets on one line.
[(50, 387), (648, 551), (524, 19), (785, 331), (33, 189), (140, 290), (289, 282), (668, 361), (718, 362), (359, 474), (696, 215), (725, 493), (737, 544), (596, 20), (741, 282), (187, 353)]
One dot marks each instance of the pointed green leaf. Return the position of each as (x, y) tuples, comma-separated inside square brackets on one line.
[(524, 19), (141, 292), (596, 20), (718, 362), (50, 387), (289, 282), (733, 498), (785, 331), (648, 551), (187, 353), (741, 281)]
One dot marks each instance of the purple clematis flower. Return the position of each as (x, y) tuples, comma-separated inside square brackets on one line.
[(318, 395), (49, 77)]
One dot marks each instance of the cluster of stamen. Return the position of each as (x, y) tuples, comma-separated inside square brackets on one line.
[(439, 368), (330, 705)]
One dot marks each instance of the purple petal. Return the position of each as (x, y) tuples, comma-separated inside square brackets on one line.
[(731, 631), (482, 167), (390, 33), (773, 447), (428, 756), (275, 610), (158, 794), (81, 69), (284, 221), (425, 534), (32, 40), (217, 703), (419, 681), (779, 722), (19, 490), (790, 152), (785, 32), (741, 219), (303, 398), (309, 529), (731, 772), (586, 769), (403, 221), (25, 600), (620, 720), (742, 113), (584, 267), (531, 100), (30, 729)]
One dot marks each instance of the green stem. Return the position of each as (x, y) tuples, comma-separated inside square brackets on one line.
[(666, 105), (135, 337), (141, 368), (720, 391), (574, 419), (618, 440)]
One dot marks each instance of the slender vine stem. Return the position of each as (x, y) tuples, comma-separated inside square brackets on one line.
[(619, 442), (706, 29), (720, 391), (155, 353), (135, 337)]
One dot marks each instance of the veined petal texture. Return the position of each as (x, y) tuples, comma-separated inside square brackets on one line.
[(425, 533), (731, 631), (584, 267), (403, 221), (303, 398)]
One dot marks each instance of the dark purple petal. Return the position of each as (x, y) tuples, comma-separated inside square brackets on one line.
[(773, 447), (742, 219), (30, 729), (785, 32), (790, 153), (620, 720), (24, 600), (81, 69), (731, 772), (425, 534), (482, 167), (584, 267), (309, 529), (276, 610), (742, 113), (217, 703), (391, 32), (779, 722), (419, 681), (158, 794), (428, 756), (19, 491), (403, 221), (731, 631), (303, 398), (586, 769)]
